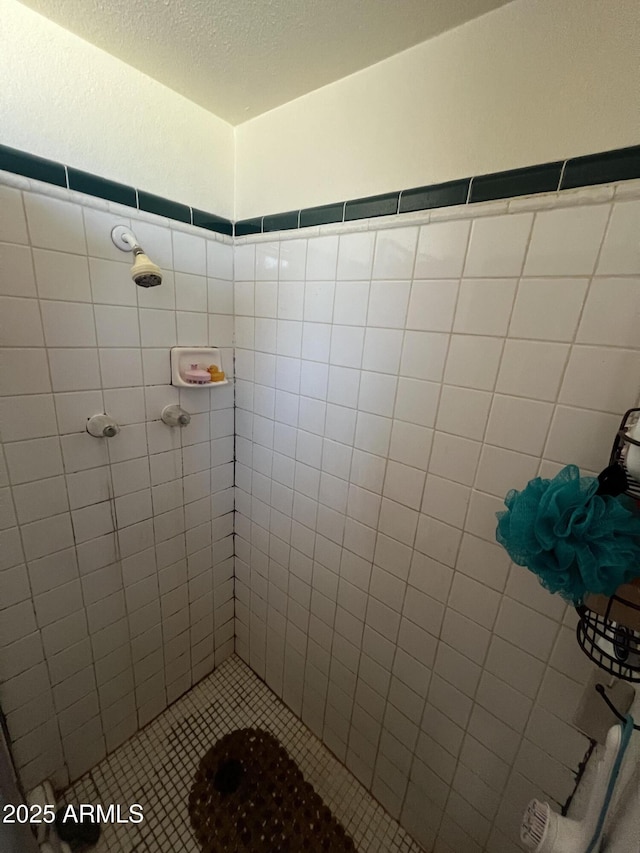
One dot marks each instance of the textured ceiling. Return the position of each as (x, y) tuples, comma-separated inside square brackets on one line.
[(240, 58)]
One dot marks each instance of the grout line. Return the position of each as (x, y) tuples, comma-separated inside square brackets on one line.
[(564, 166)]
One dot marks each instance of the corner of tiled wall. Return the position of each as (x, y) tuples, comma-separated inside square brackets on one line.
[(393, 383), (116, 555)]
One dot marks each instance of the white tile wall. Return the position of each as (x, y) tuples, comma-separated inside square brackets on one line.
[(441, 365), (116, 557)]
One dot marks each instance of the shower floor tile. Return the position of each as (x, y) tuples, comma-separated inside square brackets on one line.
[(156, 767)]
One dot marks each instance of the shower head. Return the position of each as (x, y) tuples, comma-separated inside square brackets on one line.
[(144, 272)]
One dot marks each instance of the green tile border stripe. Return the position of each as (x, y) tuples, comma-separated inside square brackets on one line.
[(605, 167), (51, 172), (620, 164)]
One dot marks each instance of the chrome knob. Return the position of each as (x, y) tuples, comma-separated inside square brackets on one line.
[(175, 416), (102, 426)]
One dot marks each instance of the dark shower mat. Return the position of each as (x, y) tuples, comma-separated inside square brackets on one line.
[(249, 796)]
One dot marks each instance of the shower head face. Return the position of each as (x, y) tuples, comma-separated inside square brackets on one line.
[(144, 272)]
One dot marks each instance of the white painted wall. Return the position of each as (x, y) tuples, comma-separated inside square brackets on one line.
[(65, 99), (533, 81)]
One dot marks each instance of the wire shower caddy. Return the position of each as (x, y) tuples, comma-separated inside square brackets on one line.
[(608, 630)]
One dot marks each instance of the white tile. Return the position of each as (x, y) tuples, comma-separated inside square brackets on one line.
[(322, 257), (33, 460), (424, 355), (547, 309), (16, 271), (126, 405), (417, 401), (120, 368), (403, 484), (23, 371), (74, 369), (526, 629), (193, 330), (346, 346), (90, 522), (73, 409), (130, 443), (620, 254), (581, 437), (31, 416), (500, 470), (601, 378), (82, 451), (46, 536), (441, 249), (17, 622), (473, 361), (156, 242), (7, 513), (68, 324), (350, 303), (382, 350), (219, 260), (189, 253), (464, 635), (293, 256), (515, 667), (481, 519), (244, 259), (395, 253), (267, 262), (41, 499), (410, 444), (431, 305), (602, 320), (355, 255), (289, 338), (398, 522), (62, 276), (532, 369), (445, 500), (484, 306), (20, 324), (219, 297), (519, 424), (474, 600), (388, 302), (191, 292), (454, 457), (13, 225), (117, 326), (11, 553), (497, 245), (367, 470), (566, 241), (88, 487), (98, 226), (463, 411), (157, 328), (55, 224), (318, 302), (111, 283), (377, 393), (291, 300)]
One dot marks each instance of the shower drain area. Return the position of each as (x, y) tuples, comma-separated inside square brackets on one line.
[(158, 768)]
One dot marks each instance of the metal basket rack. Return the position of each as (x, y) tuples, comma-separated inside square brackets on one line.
[(608, 629)]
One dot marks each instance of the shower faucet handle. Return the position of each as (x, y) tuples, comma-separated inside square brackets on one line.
[(102, 426), (175, 416)]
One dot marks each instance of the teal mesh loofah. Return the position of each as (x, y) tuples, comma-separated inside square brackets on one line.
[(576, 541)]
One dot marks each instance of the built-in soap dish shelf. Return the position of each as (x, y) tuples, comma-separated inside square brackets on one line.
[(196, 367)]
